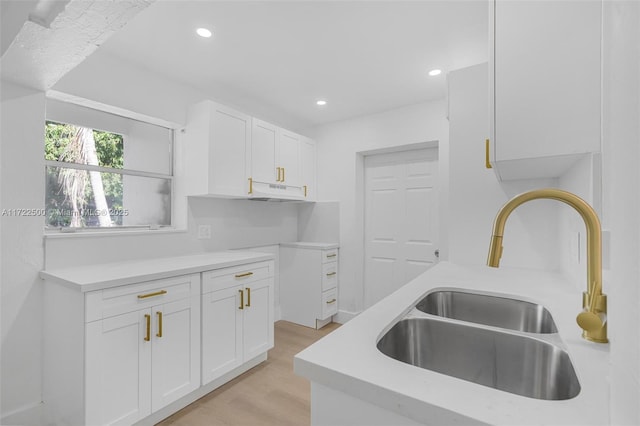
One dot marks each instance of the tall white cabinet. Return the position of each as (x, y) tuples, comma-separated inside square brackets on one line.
[(309, 283), (545, 85)]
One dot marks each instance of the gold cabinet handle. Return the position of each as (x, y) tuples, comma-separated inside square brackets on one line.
[(331, 255), (487, 163), (250, 185), (305, 190), (157, 293), (283, 175), (147, 318), (331, 301), (246, 274), (248, 305), (159, 333), (330, 274), (241, 299), (278, 177)]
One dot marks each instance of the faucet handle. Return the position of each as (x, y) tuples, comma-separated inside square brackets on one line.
[(591, 321)]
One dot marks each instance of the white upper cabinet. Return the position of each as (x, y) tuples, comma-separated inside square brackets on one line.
[(216, 151), (226, 153), (544, 80), (308, 168), (275, 169)]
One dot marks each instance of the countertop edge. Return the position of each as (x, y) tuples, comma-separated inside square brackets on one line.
[(65, 276)]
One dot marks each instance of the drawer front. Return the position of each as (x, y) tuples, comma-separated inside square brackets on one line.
[(329, 255), (119, 300), (329, 276), (220, 279), (329, 303)]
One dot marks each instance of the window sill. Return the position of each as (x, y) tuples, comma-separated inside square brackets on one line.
[(115, 233)]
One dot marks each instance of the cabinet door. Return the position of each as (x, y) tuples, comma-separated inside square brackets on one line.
[(258, 318), (264, 140), (176, 350), (229, 151), (308, 167), (546, 83), (289, 157), (118, 369), (221, 333)]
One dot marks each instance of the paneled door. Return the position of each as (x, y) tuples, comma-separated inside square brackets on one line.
[(401, 219)]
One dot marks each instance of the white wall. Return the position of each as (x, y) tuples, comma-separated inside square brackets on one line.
[(339, 176), (621, 202), (476, 195), (22, 178)]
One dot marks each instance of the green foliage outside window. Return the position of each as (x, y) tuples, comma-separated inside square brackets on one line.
[(59, 147)]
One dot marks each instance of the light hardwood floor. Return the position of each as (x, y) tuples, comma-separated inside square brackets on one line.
[(269, 394)]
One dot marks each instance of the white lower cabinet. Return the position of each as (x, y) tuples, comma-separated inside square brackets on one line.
[(140, 361), (309, 283), (237, 317), (139, 352)]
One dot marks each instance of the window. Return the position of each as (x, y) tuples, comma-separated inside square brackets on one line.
[(105, 171)]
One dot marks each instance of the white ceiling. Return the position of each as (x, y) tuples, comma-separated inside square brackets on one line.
[(361, 56)]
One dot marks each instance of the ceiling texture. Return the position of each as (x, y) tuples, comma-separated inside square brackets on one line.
[(362, 57)]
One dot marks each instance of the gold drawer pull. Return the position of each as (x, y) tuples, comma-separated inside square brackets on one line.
[(487, 162), (246, 274), (147, 318), (159, 333), (248, 305), (305, 190), (330, 274), (250, 186), (331, 301), (241, 299), (157, 293), (283, 178), (278, 178), (331, 255)]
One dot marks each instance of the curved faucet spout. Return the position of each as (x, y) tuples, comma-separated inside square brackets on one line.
[(593, 318)]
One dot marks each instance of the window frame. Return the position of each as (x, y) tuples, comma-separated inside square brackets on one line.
[(122, 229)]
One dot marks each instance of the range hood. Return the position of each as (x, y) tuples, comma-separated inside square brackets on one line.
[(261, 191)]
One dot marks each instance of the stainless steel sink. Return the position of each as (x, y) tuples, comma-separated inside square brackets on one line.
[(509, 362), (489, 310)]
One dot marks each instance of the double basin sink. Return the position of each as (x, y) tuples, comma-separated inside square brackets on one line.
[(497, 341)]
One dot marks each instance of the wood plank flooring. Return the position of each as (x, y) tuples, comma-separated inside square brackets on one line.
[(268, 395)]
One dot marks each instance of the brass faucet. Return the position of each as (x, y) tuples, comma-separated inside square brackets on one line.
[(593, 318)]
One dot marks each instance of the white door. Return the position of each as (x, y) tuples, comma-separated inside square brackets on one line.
[(118, 369), (175, 351), (258, 318), (308, 167), (401, 221), (221, 332), (232, 137), (289, 157), (264, 141)]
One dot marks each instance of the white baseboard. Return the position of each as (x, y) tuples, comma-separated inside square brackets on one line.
[(344, 316), (32, 414)]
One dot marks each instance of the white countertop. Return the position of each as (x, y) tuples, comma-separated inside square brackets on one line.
[(101, 276), (308, 245), (347, 359)]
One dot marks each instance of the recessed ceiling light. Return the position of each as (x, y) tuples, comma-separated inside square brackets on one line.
[(433, 73), (203, 32), (321, 102)]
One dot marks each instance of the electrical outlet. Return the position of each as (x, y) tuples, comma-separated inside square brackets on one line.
[(204, 232)]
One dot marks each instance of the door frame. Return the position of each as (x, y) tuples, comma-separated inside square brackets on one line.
[(443, 185)]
